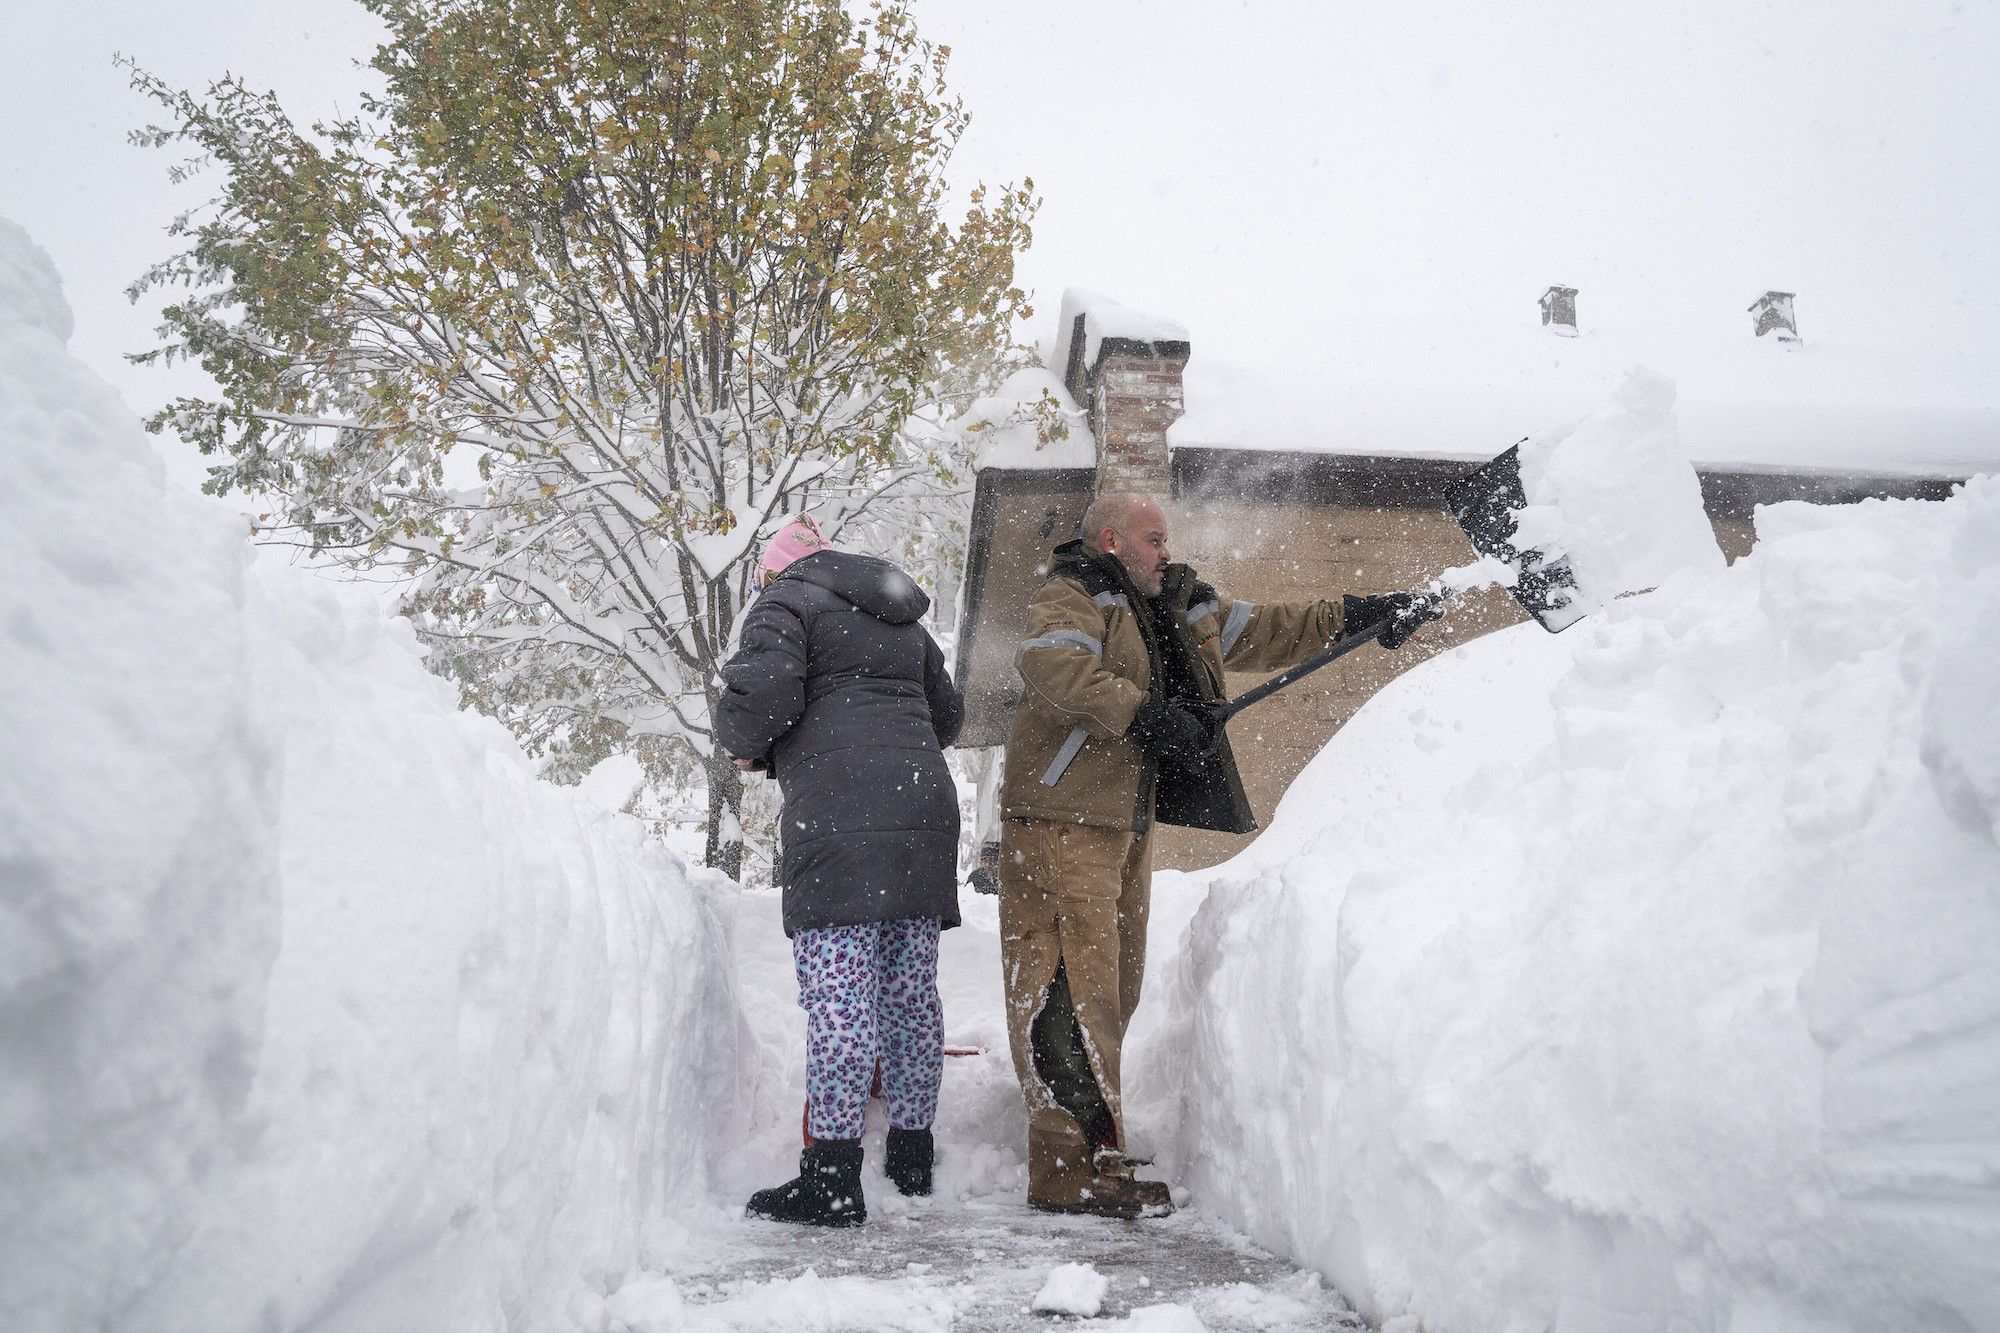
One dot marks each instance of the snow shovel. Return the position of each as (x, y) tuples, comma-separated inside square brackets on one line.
[(1484, 503)]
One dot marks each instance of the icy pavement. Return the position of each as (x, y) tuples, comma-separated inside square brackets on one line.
[(977, 1265)]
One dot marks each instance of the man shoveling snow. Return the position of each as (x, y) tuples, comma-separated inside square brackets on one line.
[(1119, 727)]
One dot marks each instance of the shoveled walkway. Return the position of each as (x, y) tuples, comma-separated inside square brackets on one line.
[(973, 1257), (978, 1265)]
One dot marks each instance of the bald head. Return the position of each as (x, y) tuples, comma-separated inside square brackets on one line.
[(1134, 529)]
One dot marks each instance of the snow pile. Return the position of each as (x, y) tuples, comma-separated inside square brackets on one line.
[(317, 1008), (31, 293), (1072, 1289), (1639, 978), (139, 801), (1963, 760), (1616, 496), (1297, 1303)]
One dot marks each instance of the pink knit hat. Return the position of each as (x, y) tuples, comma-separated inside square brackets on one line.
[(800, 537)]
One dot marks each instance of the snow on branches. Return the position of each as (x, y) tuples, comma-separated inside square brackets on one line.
[(581, 303)]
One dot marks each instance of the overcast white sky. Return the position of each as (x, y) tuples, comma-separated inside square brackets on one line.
[(1290, 161)]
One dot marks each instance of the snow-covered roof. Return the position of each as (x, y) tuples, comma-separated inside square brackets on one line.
[(1465, 389), (1320, 381)]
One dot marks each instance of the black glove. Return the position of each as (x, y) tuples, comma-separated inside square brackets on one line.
[(1406, 612), (1170, 731)]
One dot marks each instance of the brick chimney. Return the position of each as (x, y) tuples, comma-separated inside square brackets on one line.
[(1125, 367)]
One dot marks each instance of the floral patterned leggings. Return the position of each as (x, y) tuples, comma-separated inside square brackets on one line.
[(870, 993)]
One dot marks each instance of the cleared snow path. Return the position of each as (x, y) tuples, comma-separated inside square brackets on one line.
[(978, 1264), (973, 1256)]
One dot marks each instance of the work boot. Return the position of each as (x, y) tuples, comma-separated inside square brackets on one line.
[(1154, 1195), (1110, 1196), (911, 1153), (1064, 1176), (827, 1192)]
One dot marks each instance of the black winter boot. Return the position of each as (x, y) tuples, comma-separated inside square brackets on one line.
[(827, 1192), (911, 1154)]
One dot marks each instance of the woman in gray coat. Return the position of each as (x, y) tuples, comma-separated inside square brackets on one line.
[(840, 693)]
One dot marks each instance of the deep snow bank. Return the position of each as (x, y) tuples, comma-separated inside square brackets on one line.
[(1641, 979), (316, 1007)]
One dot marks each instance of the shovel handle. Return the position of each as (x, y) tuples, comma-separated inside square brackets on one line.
[(1331, 653), (1278, 682)]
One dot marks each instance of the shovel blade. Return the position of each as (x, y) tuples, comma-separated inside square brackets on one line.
[(1484, 502)]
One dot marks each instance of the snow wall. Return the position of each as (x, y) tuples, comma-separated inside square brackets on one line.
[(1645, 978), (317, 1008)]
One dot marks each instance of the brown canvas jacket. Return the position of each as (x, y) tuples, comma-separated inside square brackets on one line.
[(1091, 653)]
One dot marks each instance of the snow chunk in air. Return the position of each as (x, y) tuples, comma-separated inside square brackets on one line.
[(1616, 494)]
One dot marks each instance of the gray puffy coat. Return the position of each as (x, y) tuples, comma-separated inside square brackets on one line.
[(845, 695)]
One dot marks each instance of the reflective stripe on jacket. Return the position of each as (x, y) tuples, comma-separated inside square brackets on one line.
[(1086, 665)]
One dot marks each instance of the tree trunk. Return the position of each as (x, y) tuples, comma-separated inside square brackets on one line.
[(724, 851)]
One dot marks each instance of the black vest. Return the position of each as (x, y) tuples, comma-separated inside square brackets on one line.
[(1204, 794)]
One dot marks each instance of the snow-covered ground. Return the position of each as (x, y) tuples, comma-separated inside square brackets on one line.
[(317, 1008), (1637, 979)]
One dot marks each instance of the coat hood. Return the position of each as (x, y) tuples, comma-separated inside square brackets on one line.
[(873, 584)]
